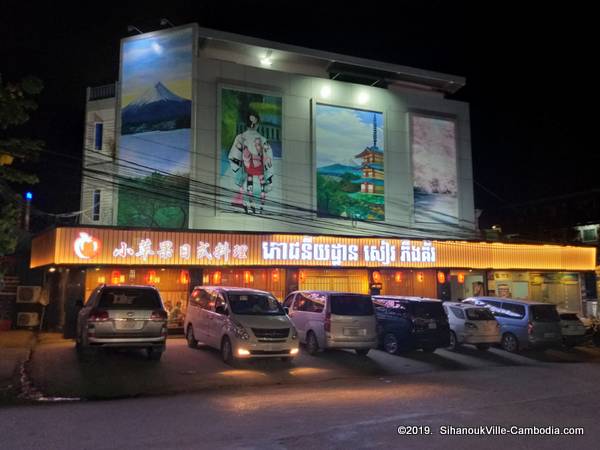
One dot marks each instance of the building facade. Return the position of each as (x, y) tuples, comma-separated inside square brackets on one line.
[(228, 160)]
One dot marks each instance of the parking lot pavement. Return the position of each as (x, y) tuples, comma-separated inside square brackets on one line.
[(56, 370)]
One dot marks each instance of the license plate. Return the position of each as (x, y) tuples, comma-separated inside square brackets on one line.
[(549, 335), (354, 331), (432, 325), (127, 325)]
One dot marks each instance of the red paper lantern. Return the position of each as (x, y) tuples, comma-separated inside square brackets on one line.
[(184, 277), (376, 276), (217, 277), (275, 275), (115, 277), (151, 277), (461, 278), (441, 277), (420, 277), (398, 277)]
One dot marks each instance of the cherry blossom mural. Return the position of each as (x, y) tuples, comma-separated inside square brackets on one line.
[(433, 147)]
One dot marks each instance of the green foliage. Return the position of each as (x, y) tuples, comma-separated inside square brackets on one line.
[(16, 103), (342, 198), (157, 200)]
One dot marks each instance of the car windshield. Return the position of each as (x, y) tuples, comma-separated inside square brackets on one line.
[(428, 310), (351, 305), (569, 316), (544, 313), (128, 298), (479, 314), (255, 305)]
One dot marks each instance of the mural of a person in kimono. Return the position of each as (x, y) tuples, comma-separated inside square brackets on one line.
[(251, 160)]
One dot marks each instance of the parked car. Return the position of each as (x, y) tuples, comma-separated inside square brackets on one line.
[(326, 319), (523, 323), (572, 328), (411, 323), (470, 324), (242, 323), (123, 316)]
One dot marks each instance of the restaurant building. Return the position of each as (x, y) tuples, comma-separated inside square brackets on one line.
[(228, 160)]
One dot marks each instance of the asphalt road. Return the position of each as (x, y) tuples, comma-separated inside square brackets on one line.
[(359, 412), (56, 371)]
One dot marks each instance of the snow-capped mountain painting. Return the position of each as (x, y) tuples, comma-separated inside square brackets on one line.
[(156, 109), (156, 136)]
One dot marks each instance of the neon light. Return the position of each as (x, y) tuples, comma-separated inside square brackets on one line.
[(86, 246)]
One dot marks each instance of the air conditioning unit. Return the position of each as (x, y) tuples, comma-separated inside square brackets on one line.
[(28, 294), (28, 319)]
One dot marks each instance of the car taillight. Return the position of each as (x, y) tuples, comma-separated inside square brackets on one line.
[(530, 328), (98, 315), (328, 322), (158, 314)]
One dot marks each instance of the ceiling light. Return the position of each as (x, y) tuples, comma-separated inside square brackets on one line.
[(363, 98), (266, 62)]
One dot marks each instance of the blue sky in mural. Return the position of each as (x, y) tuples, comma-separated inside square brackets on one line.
[(164, 58), (342, 133)]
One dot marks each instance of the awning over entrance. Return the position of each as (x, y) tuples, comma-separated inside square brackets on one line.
[(110, 246)]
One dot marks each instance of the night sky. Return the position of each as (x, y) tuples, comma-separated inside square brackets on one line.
[(529, 77)]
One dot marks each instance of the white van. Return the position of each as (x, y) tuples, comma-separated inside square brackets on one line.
[(242, 323), (326, 319), (470, 324)]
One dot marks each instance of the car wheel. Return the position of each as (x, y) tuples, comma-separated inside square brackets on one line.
[(227, 352), (390, 343), (362, 351), (154, 354), (312, 345), (483, 347), (453, 341), (189, 336), (429, 349), (510, 343)]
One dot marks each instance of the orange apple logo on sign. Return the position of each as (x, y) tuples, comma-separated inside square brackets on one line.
[(86, 246)]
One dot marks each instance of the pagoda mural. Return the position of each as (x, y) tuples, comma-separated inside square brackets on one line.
[(350, 183)]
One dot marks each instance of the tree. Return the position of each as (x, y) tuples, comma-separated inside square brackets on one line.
[(16, 102)]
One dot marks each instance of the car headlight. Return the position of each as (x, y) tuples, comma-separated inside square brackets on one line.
[(240, 331), (294, 333)]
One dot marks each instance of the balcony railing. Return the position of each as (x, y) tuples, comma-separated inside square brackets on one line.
[(100, 92)]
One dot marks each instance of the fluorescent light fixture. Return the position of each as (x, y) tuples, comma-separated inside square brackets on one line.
[(266, 62), (363, 98), (243, 352), (326, 91)]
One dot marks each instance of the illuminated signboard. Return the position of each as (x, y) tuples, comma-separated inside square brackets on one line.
[(181, 248)]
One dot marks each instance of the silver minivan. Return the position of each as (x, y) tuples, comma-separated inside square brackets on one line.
[(327, 319), (242, 323)]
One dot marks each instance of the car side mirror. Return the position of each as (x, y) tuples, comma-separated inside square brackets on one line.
[(220, 310), (287, 310)]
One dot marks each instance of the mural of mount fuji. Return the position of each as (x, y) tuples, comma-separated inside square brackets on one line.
[(156, 109), (155, 139), (350, 175)]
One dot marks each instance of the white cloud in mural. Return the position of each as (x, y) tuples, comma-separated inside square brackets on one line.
[(341, 134)]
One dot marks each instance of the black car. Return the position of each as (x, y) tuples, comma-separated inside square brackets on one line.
[(411, 323)]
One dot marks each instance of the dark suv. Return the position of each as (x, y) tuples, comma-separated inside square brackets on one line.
[(123, 316), (411, 323)]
